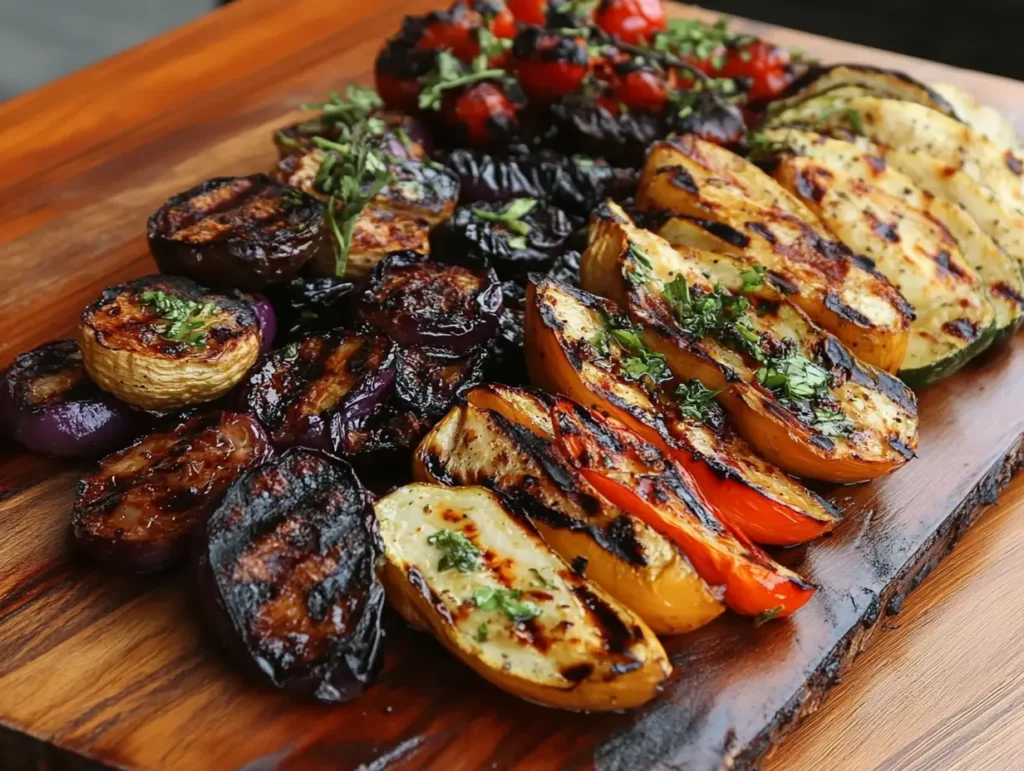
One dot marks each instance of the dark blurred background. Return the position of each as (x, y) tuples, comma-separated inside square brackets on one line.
[(43, 39)]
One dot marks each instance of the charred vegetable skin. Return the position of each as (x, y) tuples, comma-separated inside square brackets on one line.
[(304, 306), (419, 302), (162, 342), (492, 236), (286, 571), (237, 232), (138, 511), (49, 405)]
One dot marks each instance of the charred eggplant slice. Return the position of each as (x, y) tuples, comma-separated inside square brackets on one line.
[(305, 306), (286, 572), (162, 342), (429, 383), (514, 238), (49, 405), (139, 509), (300, 391), (581, 125), (237, 232), (418, 302)]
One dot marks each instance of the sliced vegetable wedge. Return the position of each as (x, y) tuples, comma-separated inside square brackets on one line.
[(571, 351)]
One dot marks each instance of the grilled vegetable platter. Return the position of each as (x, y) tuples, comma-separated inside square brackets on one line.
[(550, 343)]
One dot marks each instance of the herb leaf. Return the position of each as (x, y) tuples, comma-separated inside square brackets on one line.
[(183, 321), (459, 553), (833, 422), (767, 616), (512, 218), (505, 600), (794, 377), (643, 271), (540, 582), (450, 73), (481, 633), (356, 107), (753, 279), (695, 398)]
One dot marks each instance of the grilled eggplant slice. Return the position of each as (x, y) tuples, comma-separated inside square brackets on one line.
[(581, 125), (740, 209), (237, 232), (457, 563), (306, 393), (954, 319), (980, 117), (418, 302), (998, 271), (861, 79), (403, 136), (139, 509), (286, 573), (837, 419), (49, 405), (514, 238), (162, 342), (429, 382), (502, 438), (569, 352), (632, 474), (304, 306)]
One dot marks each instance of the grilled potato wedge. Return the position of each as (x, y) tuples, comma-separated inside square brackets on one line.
[(980, 117), (916, 129), (882, 431), (743, 210), (954, 319), (999, 272), (861, 79), (563, 327), (163, 343), (459, 564), (502, 438)]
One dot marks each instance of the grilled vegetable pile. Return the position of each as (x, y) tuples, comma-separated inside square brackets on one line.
[(588, 292)]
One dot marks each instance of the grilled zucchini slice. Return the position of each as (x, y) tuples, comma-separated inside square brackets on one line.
[(743, 210), (865, 424), (566, 353), (502, 438), (954, 319), (459, 564), (1000, 273), (980, 117)]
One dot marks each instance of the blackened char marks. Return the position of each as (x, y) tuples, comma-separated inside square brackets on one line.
[(1003, 289), (618, 637), (888, 231), (681, 178), (1013, 163), (763, 231), (728, 234), (808, 184), (961, 328)]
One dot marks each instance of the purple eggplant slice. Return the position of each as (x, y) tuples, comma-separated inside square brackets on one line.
[(50, 406), (286, 575), (428, 384), (308, 305), (139, 509), (237, 232), (418, 302), (298, 391)]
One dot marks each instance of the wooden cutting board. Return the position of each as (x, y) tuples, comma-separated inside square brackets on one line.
[(98, 669)]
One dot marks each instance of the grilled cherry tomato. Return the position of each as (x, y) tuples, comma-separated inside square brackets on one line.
[(632, 21), (548, 63), (397, 74), (497, 16), (454, 29), (482, 112), (529, 11), (643, 88), (765, 65)]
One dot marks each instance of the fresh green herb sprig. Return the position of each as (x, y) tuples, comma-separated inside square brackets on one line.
[(512, 218), (703, 313), (181, 320), (753, 279), (457, 551), (641, 361), (767, 616), (794, 377), (695, 399), (357, 106), (451, 73), (505, 600)]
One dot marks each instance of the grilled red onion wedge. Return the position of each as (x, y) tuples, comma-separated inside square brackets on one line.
[(241, 232), (49, 405), (286, 573), (162, 343), (138, 510), (419, 302)]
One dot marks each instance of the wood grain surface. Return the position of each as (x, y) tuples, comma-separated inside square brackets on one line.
[(96, 668)]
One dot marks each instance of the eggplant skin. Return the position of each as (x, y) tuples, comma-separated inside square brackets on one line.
[(308, 305), (580, 125), (141, 506), (286, 576), (237, 232)]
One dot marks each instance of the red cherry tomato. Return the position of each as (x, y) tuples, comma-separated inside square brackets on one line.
[(766, 65), (497, 16), (454, 29), (529, 11), (398, 94), (549, 64), (632, 21), (482, 112), (643, 89)]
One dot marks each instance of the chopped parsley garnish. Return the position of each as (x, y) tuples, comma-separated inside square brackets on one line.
[(832, 423), (767, 616), (357, 106), (794, 377), (753, 279), (694, 399), (702, 312), (512, 218), (492, 46), (450, 73), (458, 552), (481, 633), (540, 582), (702, 41), (642, 272), (640, 361), (182, 321), (505, 600), (846, 115), (761, 147)]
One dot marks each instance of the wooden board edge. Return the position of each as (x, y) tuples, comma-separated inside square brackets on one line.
[(887, 604)]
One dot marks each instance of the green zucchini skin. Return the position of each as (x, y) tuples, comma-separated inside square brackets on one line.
[(922, 377)]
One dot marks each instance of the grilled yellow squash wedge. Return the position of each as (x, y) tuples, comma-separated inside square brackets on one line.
[(459, 564), (742, 210), (877, 413), (999, 271), (980, 117), (502, 438), (954, 319)]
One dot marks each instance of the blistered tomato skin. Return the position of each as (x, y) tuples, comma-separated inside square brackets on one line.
[(482, 113), (529, 11), (548, 63), (453, 30), (643, 89), (767, 67), (631, 21), (399, 67)]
